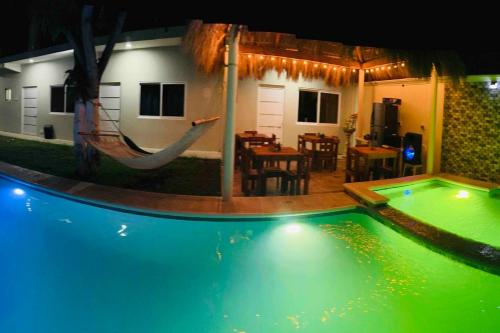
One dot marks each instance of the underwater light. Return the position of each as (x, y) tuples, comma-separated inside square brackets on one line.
[(293, 228), (407, 192), (462, 194), (18, 191)]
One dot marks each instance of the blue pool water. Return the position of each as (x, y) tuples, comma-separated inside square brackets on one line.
[(70, 267)]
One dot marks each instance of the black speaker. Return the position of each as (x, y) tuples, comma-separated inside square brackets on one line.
[(412, 148)]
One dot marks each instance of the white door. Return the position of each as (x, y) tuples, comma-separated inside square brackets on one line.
[(30, 110), (270, 108), (110, 111)]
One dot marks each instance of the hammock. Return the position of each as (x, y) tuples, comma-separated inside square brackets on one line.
[(125, 151)]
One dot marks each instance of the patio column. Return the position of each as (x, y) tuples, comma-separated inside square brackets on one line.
[(361, 95), (432, 128), (231, 88)]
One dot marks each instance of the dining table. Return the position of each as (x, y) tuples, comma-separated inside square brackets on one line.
[(241, 139), (265, 155), (315, 140), (373, 155)]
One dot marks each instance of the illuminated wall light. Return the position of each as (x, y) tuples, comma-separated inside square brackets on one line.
[(324, 66), (315, 65), (343, 69)]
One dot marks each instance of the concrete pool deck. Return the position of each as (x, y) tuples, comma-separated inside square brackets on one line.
[(171, 203)]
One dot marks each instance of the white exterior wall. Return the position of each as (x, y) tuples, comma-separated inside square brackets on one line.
[(246, 114), (166, 65)]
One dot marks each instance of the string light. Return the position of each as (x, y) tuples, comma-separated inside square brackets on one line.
[(323, 65)]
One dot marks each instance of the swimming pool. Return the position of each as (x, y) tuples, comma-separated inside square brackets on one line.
[(70, 267), (463, 210)]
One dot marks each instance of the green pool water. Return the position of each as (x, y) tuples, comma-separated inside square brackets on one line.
[(462, 210), (66, 266)]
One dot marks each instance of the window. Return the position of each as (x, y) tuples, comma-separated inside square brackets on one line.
[(62, 99), (162, 100), (318, 107), (8, 94)]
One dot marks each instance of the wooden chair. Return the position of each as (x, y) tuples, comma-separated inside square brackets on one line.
[(249, 175), (353, 167), (250, 132), (327, 155), (390, 167), (291, 183)]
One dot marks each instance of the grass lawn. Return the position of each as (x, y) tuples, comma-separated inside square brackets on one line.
[(182, 176)]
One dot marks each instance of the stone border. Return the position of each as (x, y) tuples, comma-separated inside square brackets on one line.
[(473, 253), (142, 202)]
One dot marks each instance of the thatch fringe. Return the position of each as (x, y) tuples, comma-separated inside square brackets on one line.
[(206, 42), (336, 64)]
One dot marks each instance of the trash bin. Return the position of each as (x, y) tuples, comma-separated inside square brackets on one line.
[(48, 131)]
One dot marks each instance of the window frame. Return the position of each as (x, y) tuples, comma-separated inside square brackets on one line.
[(65, 113), (318, 107), (184, 117)]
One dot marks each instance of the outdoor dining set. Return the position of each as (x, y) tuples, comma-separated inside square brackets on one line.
[(261, 157)]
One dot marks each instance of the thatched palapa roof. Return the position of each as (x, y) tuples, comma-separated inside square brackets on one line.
[(337, 64)]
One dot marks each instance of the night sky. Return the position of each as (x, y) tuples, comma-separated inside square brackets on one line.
[(466, 30)]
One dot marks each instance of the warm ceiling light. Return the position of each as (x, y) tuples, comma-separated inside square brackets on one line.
[(261, 57), (383, 67), (324, 66), (128, 45), (249, 56), (402, 64), (295, 61), (273, 58), (305, 62), (371, 70), (354, 71), (376, 69), (316, 65), (343, 69), (283, 61)]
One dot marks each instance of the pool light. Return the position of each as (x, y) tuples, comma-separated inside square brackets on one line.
[(18, 192), (462, 194), (293, 228), (407, 192)]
